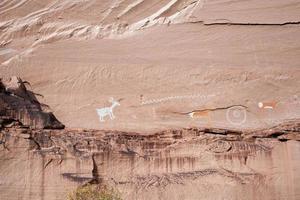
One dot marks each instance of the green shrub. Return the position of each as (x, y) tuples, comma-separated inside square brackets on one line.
[(92, 192)]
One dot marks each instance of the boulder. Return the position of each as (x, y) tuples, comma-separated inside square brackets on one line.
[(19, 104)]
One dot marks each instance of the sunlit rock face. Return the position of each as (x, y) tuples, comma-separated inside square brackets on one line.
[(172, 164), (162, 99), (161, 57)]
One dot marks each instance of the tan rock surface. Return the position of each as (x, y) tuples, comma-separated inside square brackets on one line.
[(174, 66), (78, 54), (196, 163)]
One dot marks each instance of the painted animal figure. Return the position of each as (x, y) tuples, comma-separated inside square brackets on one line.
[(267, 105), (102, 112), (201, 114), (195, 114)]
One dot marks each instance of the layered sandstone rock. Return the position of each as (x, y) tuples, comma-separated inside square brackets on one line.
[(194, 163), (20, 105), (177, 65)]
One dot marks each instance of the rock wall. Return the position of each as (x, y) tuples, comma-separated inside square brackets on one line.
[(174, 66), (80, 53), (195, 163)]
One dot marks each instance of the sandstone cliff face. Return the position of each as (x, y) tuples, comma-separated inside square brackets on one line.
[(191, 163), (176, 68), (80, 53), (173, 164)]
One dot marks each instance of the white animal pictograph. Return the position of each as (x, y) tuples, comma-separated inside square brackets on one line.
[(102, 112)]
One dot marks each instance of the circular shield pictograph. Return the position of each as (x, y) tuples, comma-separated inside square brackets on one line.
[(236, 115)]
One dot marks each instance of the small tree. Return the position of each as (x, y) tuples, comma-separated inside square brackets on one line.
[(92, 192)]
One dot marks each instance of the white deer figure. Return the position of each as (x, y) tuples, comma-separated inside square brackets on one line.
[(102, 112)]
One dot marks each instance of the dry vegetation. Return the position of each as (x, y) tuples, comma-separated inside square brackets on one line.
[(92, 192)]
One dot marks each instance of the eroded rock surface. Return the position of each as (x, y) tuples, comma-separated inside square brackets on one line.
[(179, 55), (17, 104), (166, 59), (193, 163)]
